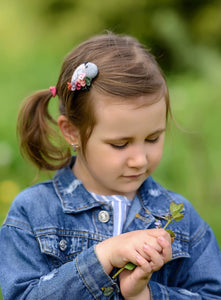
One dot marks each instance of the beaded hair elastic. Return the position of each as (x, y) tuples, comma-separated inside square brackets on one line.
[(82, 76), (53, 90)]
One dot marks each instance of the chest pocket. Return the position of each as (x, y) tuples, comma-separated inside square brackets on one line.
[(180, 246), (64, 246)]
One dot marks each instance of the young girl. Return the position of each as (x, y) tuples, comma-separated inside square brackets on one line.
[(67, 237)]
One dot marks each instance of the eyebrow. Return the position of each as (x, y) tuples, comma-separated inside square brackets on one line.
[(126, 138), (158, 131)]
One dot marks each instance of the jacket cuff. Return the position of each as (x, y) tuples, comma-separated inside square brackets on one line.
[(93, 275), (157, 291)]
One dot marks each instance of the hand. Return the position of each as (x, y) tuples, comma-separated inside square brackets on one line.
[(121, 249), (133, 284)]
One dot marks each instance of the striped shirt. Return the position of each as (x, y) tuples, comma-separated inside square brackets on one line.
[(120, 205)]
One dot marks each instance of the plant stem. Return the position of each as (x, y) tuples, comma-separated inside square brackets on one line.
[(168, 222), (117, 273)]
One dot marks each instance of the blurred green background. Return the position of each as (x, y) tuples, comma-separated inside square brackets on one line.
[(184, 35)]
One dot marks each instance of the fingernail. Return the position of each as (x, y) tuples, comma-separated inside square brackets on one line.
[(161, 238), (139, 258), (146, 247)]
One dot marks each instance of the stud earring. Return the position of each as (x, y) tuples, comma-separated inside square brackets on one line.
[(75, 147)]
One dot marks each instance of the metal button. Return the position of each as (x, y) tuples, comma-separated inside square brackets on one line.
[(63, 245), (103, 216)]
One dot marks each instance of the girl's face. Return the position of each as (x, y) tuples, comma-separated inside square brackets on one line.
[(125, 147)]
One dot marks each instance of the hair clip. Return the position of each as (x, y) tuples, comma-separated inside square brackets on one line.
[(82, 76)]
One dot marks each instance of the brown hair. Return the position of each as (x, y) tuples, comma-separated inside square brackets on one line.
[(126, 69)]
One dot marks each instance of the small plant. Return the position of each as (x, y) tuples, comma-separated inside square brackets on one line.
[(175, 214)]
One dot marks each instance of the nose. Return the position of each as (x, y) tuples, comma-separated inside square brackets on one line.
[(138, 157)]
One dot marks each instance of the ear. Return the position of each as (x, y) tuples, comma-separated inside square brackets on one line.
[(68, 130)]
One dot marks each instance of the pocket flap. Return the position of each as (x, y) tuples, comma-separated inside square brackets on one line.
[(63, 247)]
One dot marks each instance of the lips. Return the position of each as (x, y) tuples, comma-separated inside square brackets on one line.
[(133, 176)]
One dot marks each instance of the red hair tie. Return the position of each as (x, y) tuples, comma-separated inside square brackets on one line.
[(53, 90)]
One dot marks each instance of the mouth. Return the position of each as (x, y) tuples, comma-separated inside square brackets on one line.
[(134, 176)]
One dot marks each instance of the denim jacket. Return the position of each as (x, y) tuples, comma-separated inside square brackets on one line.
[(47, 244)]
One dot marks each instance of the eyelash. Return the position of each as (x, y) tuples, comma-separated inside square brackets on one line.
[(125, 145), (154, 140), (119, 146)]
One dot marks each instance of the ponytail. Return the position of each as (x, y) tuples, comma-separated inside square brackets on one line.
[(36, 134)]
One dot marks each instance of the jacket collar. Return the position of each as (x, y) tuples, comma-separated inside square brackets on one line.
[(74, 197)]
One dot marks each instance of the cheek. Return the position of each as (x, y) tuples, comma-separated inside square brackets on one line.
[(156, 154), (100, 157)]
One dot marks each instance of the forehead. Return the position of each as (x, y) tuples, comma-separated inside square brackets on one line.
[(115, 115)]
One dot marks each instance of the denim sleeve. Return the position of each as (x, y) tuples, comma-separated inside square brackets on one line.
[(159, 291), (199, 276), (25, 274)]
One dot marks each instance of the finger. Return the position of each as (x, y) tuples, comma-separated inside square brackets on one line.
[(156, 261), (153, 242), (167, 249), (143, 269), (154, 234), (159, 232)]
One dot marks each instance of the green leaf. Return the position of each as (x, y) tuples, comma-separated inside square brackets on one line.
[(171, 233), (177, 216), (180, 207), (176, 207), (129, 266)]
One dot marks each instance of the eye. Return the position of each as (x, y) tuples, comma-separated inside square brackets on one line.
[(119, 146), (152, 140)]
